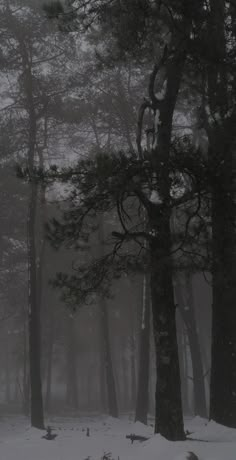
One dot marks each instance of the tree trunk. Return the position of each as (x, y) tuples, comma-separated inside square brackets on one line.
[(7, 371), (223, 367), (222, 152), (103, 394), (125, 387), (110, 379), (186, 309), (133, 385), (144, 360), (26, 377), (169, 417), (71, 361), (49, 361), (37, 419), (183, 364)]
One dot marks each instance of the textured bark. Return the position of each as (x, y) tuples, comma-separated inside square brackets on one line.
[(169, 417), (142, 402)]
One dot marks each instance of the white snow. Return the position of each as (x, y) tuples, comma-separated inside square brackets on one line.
[(18, 441), (160, 95), (155, 197), (157, 123)]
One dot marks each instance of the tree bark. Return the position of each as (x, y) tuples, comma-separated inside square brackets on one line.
[(71, 362), (49, 361), (223, 367), (142, 402), (37, 419), (222, 156), (103, 393), (186, 308), (110, 379), (26, 377), (183, 363), (169, 416), (7, 370), (133, 383)]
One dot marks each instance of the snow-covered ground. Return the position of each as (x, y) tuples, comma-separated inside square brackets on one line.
[(108, 437)]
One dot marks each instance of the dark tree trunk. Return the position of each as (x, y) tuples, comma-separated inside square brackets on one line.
[(223, 367), (186, 308), (222, 156), (49, 361), (169, 417), (26, 378), (110, 379), (142, 403), (37, 419), (109, 371)]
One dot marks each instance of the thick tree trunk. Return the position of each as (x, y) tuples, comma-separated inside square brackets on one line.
[(169, 417), (223, 367), (186, 308), (141, 413), (110, 378), (222, 155)]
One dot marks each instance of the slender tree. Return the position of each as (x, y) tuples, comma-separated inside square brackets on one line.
[(142, 403)]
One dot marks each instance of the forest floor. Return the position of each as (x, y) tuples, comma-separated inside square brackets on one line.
[(107, 437)]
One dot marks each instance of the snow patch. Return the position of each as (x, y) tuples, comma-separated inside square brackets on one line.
[(155, 197)]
